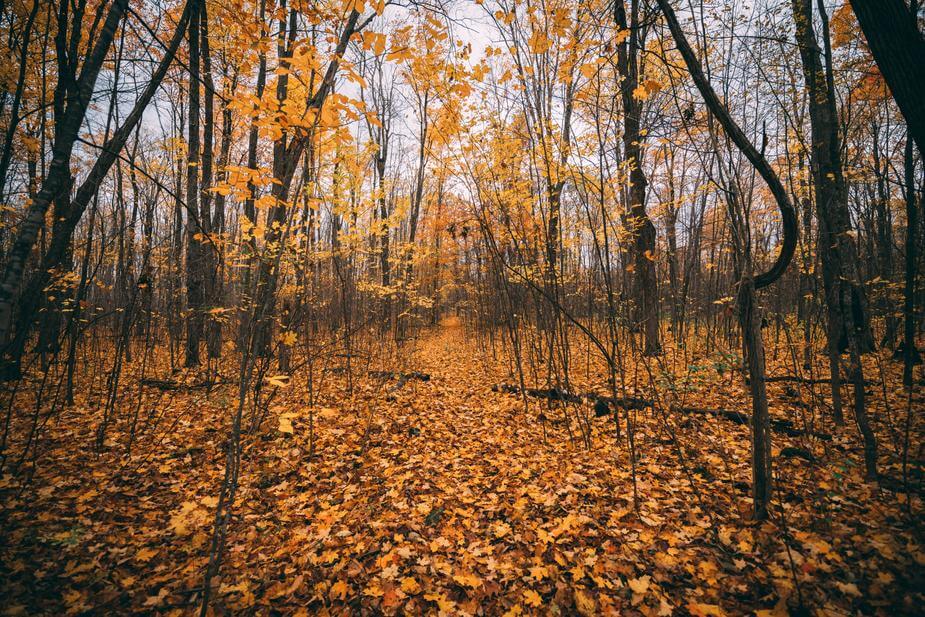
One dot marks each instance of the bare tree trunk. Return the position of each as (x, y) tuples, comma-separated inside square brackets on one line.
[(640, 226), (910, 353), (884, 240), (195, 241), (753, 347), (848, 319), (72, 98), (891, 30), (7, 155), (207, 246), (214, 334), (751, 333)]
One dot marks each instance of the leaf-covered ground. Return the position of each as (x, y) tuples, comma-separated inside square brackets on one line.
[(444, 496)]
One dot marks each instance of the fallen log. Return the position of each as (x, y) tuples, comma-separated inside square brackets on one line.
[(626, 402), (171, 384), (395, 375), (403, 378), (798, 379), (603, 406), (161, 384), (555, 394), (552, 394), (385, 375), (795, 452), (778, 425)]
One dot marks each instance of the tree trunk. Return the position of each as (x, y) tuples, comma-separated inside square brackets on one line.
[(910, 353), (761, 463), (640, 226), (753, 347), (195, 233), (73, 103), (884, 240), (898, 47), (216, 285), (846, 304)]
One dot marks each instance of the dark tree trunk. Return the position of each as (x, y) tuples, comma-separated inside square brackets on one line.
[(748, 320), (910, 353), (898, 47), (216, 284), (640, 226), (883, 230), (846, 304), (195, 231), (72, 97)]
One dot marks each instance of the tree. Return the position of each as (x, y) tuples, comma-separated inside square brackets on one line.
[(846, 301), (749, 319), (77, 93), (891, 30), (631, 41)]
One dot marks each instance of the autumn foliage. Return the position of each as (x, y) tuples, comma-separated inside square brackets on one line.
[(476, 307)]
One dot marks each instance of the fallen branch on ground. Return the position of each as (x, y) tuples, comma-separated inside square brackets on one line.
[(604, 404), (555, 394), (172, 384), (779, 425), (798, 379)]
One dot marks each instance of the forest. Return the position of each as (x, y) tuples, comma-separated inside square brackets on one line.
[(462, 307)]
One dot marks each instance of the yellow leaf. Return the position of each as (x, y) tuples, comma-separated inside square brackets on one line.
[(399, 55), (158, 599), (539, 572), (538, 42), (410, 586), (446, 605), (652, 86), (280, 381), (145, 554), (705, 610), (338, 590), (531, 598), (664, 609), (285, 424), (885, 578), (588, 70), (849, 589), (639, 585), (585, 602), (467, 580), (374, 41), (180, 521)]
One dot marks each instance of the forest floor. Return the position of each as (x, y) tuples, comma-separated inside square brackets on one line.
[(445, 496)]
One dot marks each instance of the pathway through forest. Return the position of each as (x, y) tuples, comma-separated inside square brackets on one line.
[(442, 495)]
